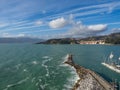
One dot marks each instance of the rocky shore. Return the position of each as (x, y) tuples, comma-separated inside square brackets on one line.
[(88, 80)]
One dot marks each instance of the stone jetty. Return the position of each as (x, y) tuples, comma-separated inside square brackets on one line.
[(88, 79)]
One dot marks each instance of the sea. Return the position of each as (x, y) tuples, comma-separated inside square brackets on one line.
[(41, 67)]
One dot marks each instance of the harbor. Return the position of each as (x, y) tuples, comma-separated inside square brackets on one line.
[(88, 79)]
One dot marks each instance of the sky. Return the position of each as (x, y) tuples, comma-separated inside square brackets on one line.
[(59, 18)]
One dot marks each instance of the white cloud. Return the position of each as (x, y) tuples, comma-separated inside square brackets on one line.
[(3, 25), (21, 35), (12, 35), (58, 23), (97, 28), (85, 30), (38, 23), (90, 10), (77, 28), (112, 6), (114, 30)]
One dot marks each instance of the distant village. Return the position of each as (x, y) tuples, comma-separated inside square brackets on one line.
[(93, 42)]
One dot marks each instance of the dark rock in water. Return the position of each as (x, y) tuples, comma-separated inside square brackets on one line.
[(69, 60)]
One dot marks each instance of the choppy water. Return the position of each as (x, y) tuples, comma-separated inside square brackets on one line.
[(40, 67)]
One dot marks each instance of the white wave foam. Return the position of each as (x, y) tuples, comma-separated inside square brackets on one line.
[(18, 66), (43, 86), (24, 80), (33, 79), (15, 84), (71, 81), (45, 57), (74, 76), (24, 70), (65, 58), (34, 62), (46, 67), (36, 84), (62, 64), (67, 87), (39, 80)]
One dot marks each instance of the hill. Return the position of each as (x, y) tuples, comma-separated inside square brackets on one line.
[(59, 41), (20, 40), (113, 38)]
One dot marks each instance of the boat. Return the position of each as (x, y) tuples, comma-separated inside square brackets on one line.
[(111, 64)]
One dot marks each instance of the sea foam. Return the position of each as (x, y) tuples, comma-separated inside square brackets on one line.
[(34, 62), (15, 84), (47, 59), (74, 76)]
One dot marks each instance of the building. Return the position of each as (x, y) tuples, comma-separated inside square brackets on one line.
[(93, 42)]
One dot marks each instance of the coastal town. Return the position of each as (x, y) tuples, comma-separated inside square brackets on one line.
[(107, 40), (92, 42)]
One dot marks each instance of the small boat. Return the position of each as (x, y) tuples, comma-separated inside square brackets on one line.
[(113, 65)]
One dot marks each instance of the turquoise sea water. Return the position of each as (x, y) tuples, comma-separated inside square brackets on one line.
[(40, 67)]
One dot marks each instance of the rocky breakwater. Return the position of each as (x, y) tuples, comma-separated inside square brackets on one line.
[(88, 80)]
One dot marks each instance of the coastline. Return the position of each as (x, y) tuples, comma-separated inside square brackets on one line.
[(88, 79)]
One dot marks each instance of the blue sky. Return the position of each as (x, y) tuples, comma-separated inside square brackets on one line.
[(58, 18)]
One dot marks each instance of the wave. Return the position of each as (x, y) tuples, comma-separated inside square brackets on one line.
[(37, 84), (47, 59), (71, 80), (22, 81), (67, 87), (15, 84), (65, 58), (33, 79), (40, 79), (74, 76), (43, 86), (34, 62), (24, 70), (62, 62), (18, 66)]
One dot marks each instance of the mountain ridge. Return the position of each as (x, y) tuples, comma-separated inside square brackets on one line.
[(20, 40)]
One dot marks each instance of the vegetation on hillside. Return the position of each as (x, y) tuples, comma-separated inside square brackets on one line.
[(109, 39)]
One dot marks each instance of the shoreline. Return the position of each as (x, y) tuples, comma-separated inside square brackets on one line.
[(88, 79)]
